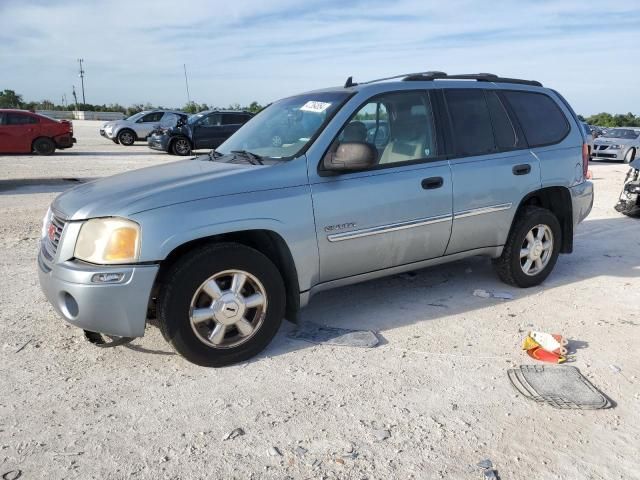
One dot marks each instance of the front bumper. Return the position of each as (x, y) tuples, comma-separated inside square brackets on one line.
[(118, 309), (582, 201), (106, 134), (608, 153)]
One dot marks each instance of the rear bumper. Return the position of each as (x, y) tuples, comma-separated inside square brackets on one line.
[(581, 200), (65, 141), (118, 309), (159, 142)]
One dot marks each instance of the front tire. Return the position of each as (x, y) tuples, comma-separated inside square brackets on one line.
[(126, 137), (531, 250), (44, 146), (221, 304), (181, 146)]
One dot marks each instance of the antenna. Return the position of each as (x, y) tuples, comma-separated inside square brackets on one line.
[(80, 60), (186, 81)]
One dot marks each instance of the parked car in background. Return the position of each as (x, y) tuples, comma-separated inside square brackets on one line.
[(588, 136), (220, 248), (22, 131), (204, 130), (136, 127), (617, 144)]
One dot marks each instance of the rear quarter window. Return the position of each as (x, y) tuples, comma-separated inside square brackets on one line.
[(541, 119)]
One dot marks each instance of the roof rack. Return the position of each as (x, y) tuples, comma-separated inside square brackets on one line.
[(435, 75)]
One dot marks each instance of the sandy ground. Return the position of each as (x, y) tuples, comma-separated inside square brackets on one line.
[(437, 382)]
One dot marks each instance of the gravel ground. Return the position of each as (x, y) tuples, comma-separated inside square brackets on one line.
[(430, 402)]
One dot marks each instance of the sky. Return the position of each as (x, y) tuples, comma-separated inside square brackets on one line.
[(238, 51)]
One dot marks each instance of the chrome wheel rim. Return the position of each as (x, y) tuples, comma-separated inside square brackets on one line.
[(228, 309), (536, 250), (182, 146)]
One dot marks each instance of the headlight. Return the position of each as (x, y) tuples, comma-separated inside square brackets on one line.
[(615, 147), (108, 241), (45, 223)]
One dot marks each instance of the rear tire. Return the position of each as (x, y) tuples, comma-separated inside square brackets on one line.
[(181, 146), (537, 233), (44, 146), (126, 137), (186, 295)]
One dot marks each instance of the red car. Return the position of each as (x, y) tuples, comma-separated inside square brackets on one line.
[(26, 132)]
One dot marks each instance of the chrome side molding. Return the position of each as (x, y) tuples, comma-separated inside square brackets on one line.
[(392, 227), (482, 210)]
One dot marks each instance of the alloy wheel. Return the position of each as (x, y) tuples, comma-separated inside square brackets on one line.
[(536, 250), (228, 309)]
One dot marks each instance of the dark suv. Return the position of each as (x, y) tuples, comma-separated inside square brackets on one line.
[(204, 130)]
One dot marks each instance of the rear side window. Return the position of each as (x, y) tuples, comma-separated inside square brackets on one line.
[(505, 134), (19, 119), (233, 119), (540, 117), (470, 121), (152, 117)]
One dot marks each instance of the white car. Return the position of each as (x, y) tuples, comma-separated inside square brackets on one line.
[(137, 127)]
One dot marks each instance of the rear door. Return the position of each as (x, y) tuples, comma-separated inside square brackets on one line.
[(231, 122), (491, 166), (17, 132), (148, 123)]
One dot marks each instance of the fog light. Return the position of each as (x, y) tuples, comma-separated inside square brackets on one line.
[(107, 277)]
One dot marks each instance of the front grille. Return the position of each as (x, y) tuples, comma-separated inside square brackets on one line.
[(50, 246), (605, 155)]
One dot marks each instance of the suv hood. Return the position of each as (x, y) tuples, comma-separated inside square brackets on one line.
[(153, 187)]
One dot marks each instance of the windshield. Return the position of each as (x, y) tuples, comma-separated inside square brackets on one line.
[(622, 133), (285, 127), (135, 116)]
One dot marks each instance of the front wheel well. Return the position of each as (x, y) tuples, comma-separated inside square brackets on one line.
[(558, 201), (268, 242)]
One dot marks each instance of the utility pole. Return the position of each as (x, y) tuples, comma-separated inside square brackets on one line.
[(80, 60), (186, 81)]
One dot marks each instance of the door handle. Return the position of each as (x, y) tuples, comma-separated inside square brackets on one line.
[(432, 182), (522, 169)]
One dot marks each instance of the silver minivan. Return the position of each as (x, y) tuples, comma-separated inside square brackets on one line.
[(317, 191)]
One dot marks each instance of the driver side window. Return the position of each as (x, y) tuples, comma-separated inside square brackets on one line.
[(399, 125)]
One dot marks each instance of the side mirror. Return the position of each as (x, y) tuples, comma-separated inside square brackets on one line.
[(351, 156)]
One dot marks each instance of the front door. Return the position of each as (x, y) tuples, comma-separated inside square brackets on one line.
[(395, 213), (206, 133), (17, 132), (148, 123)]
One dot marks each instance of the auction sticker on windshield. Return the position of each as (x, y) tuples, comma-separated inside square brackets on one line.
[(317, 107)]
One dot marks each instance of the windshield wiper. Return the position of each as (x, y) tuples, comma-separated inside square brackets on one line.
[(252, 157), (213, 154)]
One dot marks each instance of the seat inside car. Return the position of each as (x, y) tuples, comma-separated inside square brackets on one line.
[(410, 134), (355, 132)]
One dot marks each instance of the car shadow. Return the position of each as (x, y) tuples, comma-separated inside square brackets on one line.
[(21, 186)]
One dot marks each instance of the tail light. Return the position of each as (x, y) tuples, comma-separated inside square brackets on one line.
[(585, 160)]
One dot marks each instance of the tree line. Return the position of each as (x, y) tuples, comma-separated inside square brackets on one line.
[(11, 99)]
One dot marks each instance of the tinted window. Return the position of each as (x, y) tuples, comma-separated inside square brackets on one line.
[(152, 117), (541, 119), (470, 121), (399, 125), (234, 119), (1, 118), (19, 119), (212, 120), (503, 130)]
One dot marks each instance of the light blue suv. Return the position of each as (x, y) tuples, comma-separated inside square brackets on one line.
[(320, 190)]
